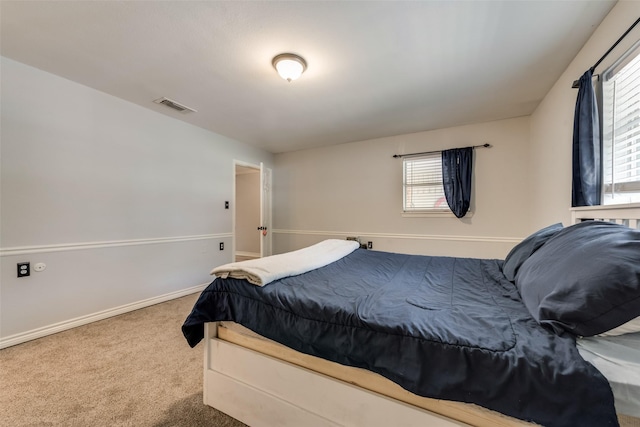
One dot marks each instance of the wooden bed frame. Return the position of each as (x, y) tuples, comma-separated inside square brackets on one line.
[(628, 215), (263, 383)]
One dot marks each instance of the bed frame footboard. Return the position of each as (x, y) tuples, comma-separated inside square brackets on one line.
[(264, 390)]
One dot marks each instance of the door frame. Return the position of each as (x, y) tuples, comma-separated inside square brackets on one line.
[(266, 214)]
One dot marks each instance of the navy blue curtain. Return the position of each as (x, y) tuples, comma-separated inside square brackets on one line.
[(456, 179), (587, 165)]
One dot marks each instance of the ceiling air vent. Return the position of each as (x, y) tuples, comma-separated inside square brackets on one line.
[(175, 105)]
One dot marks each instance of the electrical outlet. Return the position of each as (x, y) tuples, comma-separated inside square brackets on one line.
[(226, 205), (222, 246), (24, 269), (369, 245)]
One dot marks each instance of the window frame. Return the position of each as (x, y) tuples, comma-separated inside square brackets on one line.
[(610, 189), (445, 211)]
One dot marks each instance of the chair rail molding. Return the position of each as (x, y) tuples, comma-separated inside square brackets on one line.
[(62, 247), (454, 238)]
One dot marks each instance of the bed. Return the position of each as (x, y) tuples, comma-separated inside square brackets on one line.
[(505, 367)]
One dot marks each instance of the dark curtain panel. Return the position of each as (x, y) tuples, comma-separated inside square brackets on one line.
[(587, 165), (456, 179)]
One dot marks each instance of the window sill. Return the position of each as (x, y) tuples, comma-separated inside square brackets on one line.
[(433, 214), (629, 205)]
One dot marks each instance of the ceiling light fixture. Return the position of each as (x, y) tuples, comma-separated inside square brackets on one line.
[(289, 66)]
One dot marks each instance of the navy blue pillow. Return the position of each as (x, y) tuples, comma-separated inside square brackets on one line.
[(526, 248), (586, 280)]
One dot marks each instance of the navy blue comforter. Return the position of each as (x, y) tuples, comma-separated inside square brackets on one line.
[(447, 328)]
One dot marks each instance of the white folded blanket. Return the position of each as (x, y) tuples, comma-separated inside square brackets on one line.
[(261, 271)]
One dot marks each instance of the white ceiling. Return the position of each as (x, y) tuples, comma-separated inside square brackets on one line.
[(375, 68)]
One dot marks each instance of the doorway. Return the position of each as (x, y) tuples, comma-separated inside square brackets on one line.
[(247, 212)]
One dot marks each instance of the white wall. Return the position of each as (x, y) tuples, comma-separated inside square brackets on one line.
[(356, 189), (124, 205), (248, 213), (552, 122)]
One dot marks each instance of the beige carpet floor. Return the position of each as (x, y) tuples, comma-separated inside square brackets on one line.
[(135, 369)]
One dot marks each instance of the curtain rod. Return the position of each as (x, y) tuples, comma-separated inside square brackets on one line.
[(576, 83), (397, 156)]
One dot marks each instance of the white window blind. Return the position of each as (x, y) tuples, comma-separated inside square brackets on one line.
[(621, 130), (422, 184)]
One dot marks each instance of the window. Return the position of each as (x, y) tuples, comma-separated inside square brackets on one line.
[(621, 129), (422, 184)]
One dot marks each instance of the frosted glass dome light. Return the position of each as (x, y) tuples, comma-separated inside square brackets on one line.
[(289, 66)]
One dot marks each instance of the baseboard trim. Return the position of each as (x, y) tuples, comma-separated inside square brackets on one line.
[(251, 254), (452, 238), (101, 315), (23, 250)]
